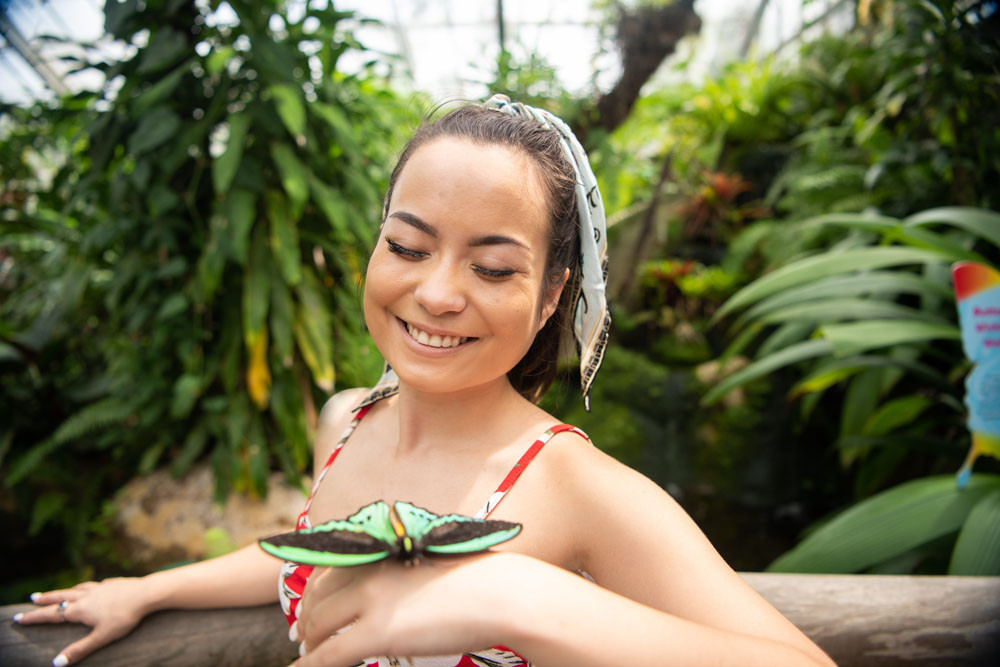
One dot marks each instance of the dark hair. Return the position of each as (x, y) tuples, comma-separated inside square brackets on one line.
[(534, 373)]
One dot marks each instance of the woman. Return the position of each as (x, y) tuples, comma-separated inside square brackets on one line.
[(491, 247)]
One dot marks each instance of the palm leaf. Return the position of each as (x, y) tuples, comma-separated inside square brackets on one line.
[(887, 525)]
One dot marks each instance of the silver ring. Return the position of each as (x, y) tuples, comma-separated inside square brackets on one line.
[(62, 609)]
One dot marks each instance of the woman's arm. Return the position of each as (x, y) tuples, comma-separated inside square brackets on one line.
[(642, 545), (548, 615), (114, 607), (246, 577)]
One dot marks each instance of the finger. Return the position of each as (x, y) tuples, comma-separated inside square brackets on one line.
[(323, 584), (342, 650), (56, 596), (332, 579), (81, 648), (47, 614), (329, 615)]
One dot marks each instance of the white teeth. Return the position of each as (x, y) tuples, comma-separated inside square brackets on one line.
[(436, 340)]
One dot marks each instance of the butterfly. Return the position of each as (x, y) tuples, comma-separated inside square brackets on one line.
[(378, 531)]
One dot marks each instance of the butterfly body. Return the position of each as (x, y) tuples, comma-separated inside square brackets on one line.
[(378, 531)]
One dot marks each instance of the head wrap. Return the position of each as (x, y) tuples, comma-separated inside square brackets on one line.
[(591, 321)]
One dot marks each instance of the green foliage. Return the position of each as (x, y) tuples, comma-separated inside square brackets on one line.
[(883, 142), (187, 284), (901, 527), (908, 117), (871, 312), (869, 315)]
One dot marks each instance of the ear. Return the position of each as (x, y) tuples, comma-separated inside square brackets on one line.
[(552, 300)]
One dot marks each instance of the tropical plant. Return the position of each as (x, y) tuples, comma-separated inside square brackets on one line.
[(188, 284), (873, 316)]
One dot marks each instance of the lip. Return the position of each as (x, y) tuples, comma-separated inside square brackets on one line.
[(431, 331)]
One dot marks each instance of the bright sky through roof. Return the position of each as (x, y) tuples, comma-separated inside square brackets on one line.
[(448, 46)]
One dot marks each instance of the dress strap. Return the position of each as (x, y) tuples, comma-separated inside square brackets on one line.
[(303, 520), (522, 463)]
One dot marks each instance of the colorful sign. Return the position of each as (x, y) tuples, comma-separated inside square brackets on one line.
[(977, 290)]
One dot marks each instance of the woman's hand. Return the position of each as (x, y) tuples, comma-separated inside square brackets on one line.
[(439, 607), (112, 608)]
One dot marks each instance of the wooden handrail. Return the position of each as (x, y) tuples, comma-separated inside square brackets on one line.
[(857, 619)]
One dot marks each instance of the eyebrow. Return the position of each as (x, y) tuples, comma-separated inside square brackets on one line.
[(488, 240)]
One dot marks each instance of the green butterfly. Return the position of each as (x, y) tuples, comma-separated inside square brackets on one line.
[(377, 531)]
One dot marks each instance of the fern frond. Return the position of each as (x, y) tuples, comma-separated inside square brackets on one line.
[(94, 417)]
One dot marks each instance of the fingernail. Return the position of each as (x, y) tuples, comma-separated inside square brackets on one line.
[(17, 617), (60, 660), (302, 649), (34, 596), (293, 631)]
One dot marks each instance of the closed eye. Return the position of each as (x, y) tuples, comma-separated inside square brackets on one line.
[(403, 251), (493, 273)]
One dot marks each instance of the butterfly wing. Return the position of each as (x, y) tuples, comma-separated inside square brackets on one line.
[(457, 534), (364, 537), (416, 520), (452, 533)]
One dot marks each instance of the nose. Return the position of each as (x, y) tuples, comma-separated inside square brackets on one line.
[(440, 289)]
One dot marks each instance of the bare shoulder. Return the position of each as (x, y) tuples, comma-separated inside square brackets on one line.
[(615, 506), (338, 408), (336, 414), (588, 474)]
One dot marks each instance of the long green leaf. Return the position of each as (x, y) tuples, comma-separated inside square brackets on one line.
[(785, 335), (341, 126), (160, 90), (256, 285), (897, 412), (821, 266), (866, 283), (225, 166), (212, 261), (187, 389), (799, 352), (282, 316), (835, 310), (857, 337), (977, 551), (294, 177), (837, 370), (288, 101), (333, 207), (155, 128), (980, 222), (923, 238), (313, 331), (861, 221), (192, 448), (284, 237), (860, 400), (240, 210), (887, 525)]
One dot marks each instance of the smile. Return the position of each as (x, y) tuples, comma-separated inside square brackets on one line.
[(434, 340)]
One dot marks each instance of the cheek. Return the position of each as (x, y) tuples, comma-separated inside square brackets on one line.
[(515, 312), (380, 281)]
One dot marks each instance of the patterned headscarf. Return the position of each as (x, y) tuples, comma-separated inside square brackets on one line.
[(592, 320)]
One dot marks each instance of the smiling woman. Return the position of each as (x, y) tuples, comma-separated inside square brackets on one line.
[(436, 274), (491, 245)]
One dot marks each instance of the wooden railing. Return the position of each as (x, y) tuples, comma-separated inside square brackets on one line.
[(858, 620)]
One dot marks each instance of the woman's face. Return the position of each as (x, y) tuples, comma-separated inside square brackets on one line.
[(454, 289)]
